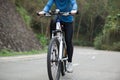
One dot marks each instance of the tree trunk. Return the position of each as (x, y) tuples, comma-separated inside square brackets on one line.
[(14, 34)]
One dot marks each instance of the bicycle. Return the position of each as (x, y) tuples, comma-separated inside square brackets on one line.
[(57, 55)]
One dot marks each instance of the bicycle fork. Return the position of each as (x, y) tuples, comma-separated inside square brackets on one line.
[(60, 50)]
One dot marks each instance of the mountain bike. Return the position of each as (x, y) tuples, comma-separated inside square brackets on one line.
[(57, 54)]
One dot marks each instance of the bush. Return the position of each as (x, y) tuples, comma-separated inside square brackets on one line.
[(116, 46), (82, 43), (109, 39), (98, 42), (42, 39)]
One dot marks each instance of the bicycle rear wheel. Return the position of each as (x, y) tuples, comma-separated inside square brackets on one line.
[(53, 64)]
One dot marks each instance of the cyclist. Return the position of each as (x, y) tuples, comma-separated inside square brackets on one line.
[(66, 21)]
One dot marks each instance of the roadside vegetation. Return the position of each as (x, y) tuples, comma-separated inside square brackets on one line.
[(97, 25), (6, 52)]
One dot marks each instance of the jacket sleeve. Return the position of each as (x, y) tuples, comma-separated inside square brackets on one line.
[(74, 5), (48, 5)]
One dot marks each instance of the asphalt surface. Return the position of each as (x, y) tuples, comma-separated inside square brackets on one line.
[(88, 64)]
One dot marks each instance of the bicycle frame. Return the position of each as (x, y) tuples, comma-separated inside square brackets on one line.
[(60, 37)]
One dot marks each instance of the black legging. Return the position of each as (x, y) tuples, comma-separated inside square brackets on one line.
[(68, 30)]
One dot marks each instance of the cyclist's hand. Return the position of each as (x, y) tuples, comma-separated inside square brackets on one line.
[(73, 12), (41, 13)]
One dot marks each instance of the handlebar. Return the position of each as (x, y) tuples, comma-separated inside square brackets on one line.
[(50, 13)]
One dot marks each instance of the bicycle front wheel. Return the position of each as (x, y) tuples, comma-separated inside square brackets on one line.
[(53, 64)]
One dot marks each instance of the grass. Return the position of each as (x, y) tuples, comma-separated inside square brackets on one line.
[(6, 53), (24, 14), (42, 39)]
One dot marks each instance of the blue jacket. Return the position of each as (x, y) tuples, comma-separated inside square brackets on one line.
[(63, 6)]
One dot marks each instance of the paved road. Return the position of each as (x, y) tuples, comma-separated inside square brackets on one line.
[(88, 64)]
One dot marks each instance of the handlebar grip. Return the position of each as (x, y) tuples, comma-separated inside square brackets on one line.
[(75, 13), (38, 14), (78, 12)]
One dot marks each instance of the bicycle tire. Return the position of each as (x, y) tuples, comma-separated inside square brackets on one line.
[(63, 68), (58, 72), (63, 64), (50, 75)]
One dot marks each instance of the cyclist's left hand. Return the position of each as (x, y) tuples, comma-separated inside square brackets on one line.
[(73, 12)]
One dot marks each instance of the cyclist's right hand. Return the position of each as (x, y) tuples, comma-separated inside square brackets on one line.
[(41, 13)]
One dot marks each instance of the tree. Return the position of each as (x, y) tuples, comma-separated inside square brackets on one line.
[(14, 34)]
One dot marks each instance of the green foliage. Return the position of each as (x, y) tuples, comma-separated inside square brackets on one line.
[(24, 15), (90, 21), (110, 38), (6, 52), (116, 46), (43, 39), (90, 24), (98, 42), (82, 43)]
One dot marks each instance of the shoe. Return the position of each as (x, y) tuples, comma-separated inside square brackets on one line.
[(69, 67)]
